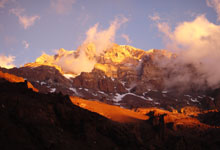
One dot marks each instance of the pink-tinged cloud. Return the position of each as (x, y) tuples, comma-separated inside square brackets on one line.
[(196, 42), (2, 3), (126, 37), (62, 6), (7, 61), (216, 5), (25, 21), (155, 17), (26, 44)]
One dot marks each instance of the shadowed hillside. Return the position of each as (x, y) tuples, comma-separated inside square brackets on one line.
[(31, 120)]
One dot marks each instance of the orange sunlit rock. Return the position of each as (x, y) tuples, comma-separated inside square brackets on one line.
[(37, 64), (15, 79), (114, 113), (11, 77), (179, 119), (30, 86), (118, 114)]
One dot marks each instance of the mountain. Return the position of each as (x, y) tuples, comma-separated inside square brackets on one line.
[(34, 120), (122, 75)]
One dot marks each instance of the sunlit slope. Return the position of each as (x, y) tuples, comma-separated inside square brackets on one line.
[(15, 79), (114, 113), (122, 115), (178, 119)]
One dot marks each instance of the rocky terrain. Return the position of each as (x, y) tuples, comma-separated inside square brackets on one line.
[(33, 120), (124, 76)]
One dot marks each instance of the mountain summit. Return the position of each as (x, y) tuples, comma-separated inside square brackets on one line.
[(121, 75)]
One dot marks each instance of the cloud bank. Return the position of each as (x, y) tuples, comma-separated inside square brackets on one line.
[(7, 61), (197, 46)]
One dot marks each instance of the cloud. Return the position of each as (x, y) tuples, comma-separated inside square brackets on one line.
[(26, 44), (216, 5), (25, 21), (84, 58), (2, 3), (96, 42), (7, 61), (197, 46), (126, 37), (155, 17), (62, 6)]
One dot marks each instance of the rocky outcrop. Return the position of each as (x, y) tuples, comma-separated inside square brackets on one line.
[(97, 80)]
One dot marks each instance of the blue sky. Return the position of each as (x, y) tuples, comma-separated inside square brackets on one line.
[(30, 27)]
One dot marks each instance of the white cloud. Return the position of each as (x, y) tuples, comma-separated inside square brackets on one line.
[(7, 61), (2, 3), (26, 44), (216, 5), (126, 37), (62, 6), (196, 42), (25, 21)]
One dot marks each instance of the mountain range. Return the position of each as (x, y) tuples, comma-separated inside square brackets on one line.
[(121, 98)]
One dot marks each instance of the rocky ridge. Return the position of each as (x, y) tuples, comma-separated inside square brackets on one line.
[(123, 75)]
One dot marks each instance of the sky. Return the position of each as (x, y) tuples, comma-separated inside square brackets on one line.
[(29, 28)]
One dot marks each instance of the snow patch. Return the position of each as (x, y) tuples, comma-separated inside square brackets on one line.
[(187, 95), (102, 92), (211, 98), (164, 92), (123, 83), (74, 90), (118, 97), (52, 90), (94, 94), (43, 83), (149, 99), (194, 100)]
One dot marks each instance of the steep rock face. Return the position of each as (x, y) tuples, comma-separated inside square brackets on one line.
[(97, 80), (123, 75)]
